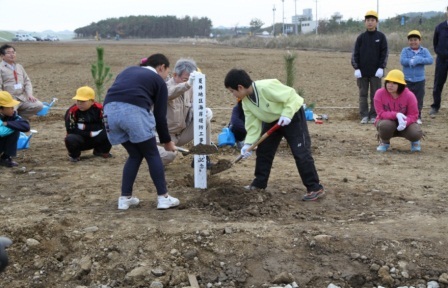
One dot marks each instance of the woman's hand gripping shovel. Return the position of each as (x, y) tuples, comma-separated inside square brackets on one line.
[(223, 164)]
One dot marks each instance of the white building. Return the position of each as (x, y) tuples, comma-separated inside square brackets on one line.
[(307, 25)]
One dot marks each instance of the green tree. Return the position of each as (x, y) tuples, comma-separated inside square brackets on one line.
[(101, 73), (255, 25), (290, 59)]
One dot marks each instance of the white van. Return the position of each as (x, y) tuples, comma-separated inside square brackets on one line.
[(23, 37)]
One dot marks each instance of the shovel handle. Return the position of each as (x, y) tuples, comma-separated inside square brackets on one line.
[(262, 138)]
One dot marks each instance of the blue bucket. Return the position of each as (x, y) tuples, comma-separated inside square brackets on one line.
[(226, 137)]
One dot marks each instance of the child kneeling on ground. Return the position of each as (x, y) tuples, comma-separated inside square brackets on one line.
[(85, 127), (11, 125)]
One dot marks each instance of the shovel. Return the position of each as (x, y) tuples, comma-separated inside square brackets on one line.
[(223, 164)]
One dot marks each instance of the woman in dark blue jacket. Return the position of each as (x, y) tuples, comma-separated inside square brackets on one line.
[(134, 108)]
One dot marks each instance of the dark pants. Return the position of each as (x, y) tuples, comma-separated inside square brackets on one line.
[(418, 88), (439, 81), (387, 129), (8, 144), (298, 138), (363, 84), (137, 151), (76, 143)]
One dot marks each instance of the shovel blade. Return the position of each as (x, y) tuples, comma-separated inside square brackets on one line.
[(203, 149), (221, 165)]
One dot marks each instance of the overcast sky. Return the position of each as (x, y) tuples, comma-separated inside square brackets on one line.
[(58, 15)]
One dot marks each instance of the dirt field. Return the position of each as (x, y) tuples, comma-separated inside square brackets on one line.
[(384, 220)]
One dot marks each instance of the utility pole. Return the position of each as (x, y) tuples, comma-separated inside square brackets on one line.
[(317, 21), (273, 20), (378, 11), (295, 14), (283, 28)]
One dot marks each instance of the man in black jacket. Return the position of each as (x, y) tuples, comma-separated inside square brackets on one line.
[(369, 59), (440, 42)]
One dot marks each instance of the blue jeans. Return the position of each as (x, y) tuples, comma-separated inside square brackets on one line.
[(126, 122)]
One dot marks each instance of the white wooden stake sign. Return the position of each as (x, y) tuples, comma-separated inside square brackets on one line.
[(200, 126)]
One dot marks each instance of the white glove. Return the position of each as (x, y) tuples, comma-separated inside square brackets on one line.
[(191, 79), (358, 73), (283, 121), (402, 126), (411, 62), (401, 121), (81, 126), (379, 73), (401, 117), (244, 151), (95, 133), (208, 114)]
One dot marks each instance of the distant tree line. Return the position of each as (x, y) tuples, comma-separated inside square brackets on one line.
[(147, 27), (425, 22), (173, 27), (399, 23)]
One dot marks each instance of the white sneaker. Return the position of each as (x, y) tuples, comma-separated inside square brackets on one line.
[(365, 120), (167, 202), (124, 202), (419, 121)]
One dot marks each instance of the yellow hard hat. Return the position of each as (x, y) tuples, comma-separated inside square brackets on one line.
[(395, 76), (6, 100), (84, 93), (415, 33), (371, 13)]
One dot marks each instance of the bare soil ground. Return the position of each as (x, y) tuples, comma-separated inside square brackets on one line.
[(380, 209)]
